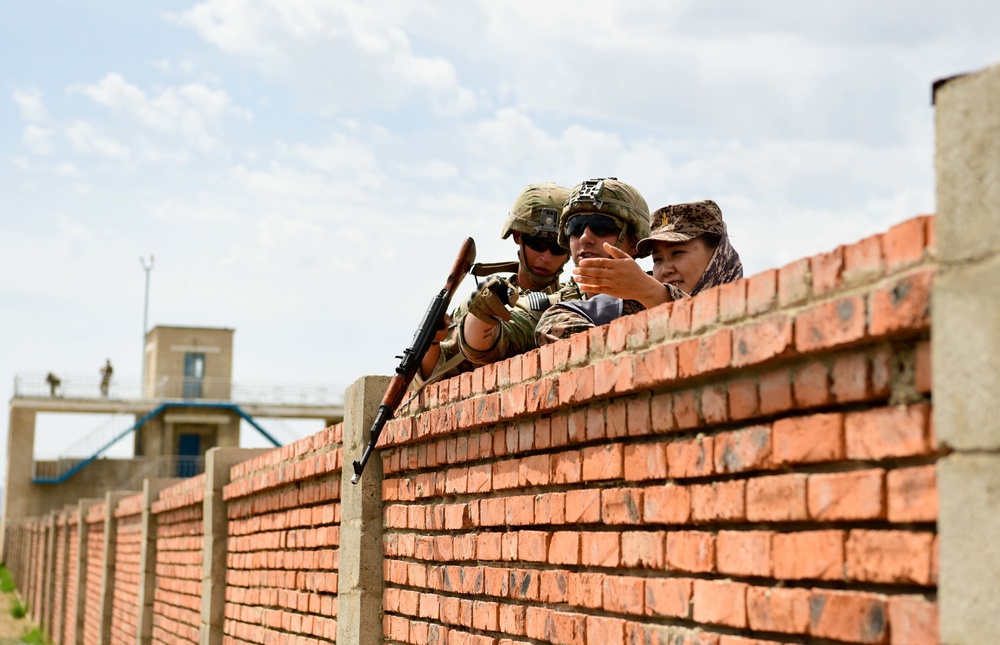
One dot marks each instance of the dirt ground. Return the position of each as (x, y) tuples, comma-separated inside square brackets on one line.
[(11, 629)]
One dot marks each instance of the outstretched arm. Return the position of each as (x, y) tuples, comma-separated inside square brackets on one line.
[(619, 276)]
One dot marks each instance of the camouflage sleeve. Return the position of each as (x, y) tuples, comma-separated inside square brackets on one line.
[(449, 349), (559, 322), (516, 337)]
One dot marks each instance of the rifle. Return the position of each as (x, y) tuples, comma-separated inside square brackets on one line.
[(412, 355)]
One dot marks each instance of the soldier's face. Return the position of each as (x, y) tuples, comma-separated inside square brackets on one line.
[(540, 255), (681, 263), (591, 245)]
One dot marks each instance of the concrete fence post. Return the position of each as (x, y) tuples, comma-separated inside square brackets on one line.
[(78, 611), (966, 354), (147, 558), (218, 462), (111, 499), (359, 587)]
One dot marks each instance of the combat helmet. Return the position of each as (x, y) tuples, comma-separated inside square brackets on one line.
[(606, 196), (536, 211)]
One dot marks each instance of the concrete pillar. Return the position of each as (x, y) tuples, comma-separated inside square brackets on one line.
[(966, 354), (20, 461), (218, 462), (147, 558), (78, 615), (359, 591), (111, 499)]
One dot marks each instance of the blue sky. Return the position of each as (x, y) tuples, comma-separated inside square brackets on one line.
[(305, 171)]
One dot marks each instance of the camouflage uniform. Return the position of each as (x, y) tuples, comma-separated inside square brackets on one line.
[(676, 223)]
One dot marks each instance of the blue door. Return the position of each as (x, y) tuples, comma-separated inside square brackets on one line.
[(194, 372), (188, 452)]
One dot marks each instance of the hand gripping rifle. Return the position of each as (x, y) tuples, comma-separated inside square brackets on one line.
[(410, 360)]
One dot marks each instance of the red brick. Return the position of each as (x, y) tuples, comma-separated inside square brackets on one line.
[(923, 367), (638, 333), (744, 553), (585, 590), (512, 619), (637, 416), (505, 474), (761, 341), (779, 498), (643, 634), (720, 602), (778, 609), (904, 243), (556, 626), (550, 508), (912, 494), (714, 404), (733, 301), (596, 426), (762, 289), (520, 510), (658, 322), (775, 391), (535, 470), (690, 458), (685, 406), (809, 439), (661, 412), (576, 386), (613, 375), (913, 620), (655, 366), (692, 551), (605, 630), (583, 506), (618, 334), (567, 467), (621, 505), (902, 306), (743, 400), (600, 549), (533, 546), (579, 350), (718, 501), (830, 324), (851, 380), (896, 557), (856, 495), (668, 597), (793, 283), (668, 504), (704, 355), (623, 594), (616, 419), (826, 269), (809, 555), (485, 615), (508, 545), (553, 586), (887, 432), (705, 310), (850, 616), (680, 316), (603, 462), (644, 461), (863, 260), (488, 546), (812, 385), (743, 450), (542, 395), (643, 549)]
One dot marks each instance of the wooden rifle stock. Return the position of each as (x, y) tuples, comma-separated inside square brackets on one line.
[(410, 360)]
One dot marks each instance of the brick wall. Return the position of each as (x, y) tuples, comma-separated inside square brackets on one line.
[(68, 632), (755, 463), (94, 573), (284, 534), (179, 547), (61, 555), (753, 466), (128, 541)]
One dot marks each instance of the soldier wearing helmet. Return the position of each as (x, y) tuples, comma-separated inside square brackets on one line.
[(533, 221), (596, 212)]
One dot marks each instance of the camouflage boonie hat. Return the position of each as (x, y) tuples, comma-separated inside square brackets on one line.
[(606, 196), (683, 222), (536, 211)]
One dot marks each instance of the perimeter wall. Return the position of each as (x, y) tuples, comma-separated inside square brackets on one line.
[(768, 462)]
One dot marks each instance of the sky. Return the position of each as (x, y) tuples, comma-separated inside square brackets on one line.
[(305, 171)]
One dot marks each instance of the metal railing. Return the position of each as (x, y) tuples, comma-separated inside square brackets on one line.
[(167, 466), (88, 387)]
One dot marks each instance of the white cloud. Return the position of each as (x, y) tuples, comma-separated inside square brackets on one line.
[(30, 103), (192, 110), (66, 169), (88, 139), (38, 140)]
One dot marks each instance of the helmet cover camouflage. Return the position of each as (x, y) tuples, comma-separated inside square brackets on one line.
[(606, 196), (683, 222), (536, 211)]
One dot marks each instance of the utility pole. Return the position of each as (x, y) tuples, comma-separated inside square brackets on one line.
[(145, 318)]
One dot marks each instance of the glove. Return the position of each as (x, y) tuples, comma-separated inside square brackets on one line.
[(491, 301)]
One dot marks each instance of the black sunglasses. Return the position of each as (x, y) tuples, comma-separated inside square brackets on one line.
[(543, 244), (599, 225)]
